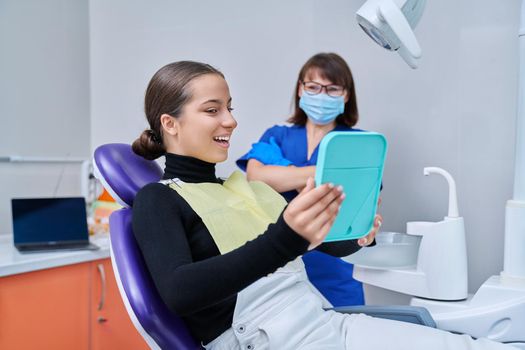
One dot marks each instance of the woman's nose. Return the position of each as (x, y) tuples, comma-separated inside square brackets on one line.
[(229, 121)]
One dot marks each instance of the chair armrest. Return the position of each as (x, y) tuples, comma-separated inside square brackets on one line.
[(405, 313)]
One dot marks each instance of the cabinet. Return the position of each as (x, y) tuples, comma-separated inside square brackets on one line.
[(47, 309), (69, 307), (111, 327)]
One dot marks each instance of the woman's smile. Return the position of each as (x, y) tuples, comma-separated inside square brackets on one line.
[(222, 141)]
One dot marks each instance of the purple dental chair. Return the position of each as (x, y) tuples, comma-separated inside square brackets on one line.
[(123, 174)]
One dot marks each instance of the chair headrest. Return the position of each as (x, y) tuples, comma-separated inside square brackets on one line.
[(122, 172)]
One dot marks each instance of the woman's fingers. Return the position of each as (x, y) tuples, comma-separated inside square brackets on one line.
[(306, 217), (317, 218), (321, 205), (310, 184), (319, 225), (323, 231), (316, 199), (312, 210), (369, 238)]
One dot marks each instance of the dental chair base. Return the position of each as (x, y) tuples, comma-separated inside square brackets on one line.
[(496, 311)]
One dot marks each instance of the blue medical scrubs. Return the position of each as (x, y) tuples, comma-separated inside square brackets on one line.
[(330, 275)]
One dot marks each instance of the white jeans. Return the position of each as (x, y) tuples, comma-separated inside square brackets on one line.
[(284, 311)]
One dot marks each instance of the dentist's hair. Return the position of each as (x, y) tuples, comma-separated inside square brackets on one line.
[(167, 93), (333, 67)]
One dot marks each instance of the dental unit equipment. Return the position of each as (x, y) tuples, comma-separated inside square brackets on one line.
[(436, 277), (429, 263), (438, 269)]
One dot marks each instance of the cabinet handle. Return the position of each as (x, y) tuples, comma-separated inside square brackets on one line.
[(100, 268)]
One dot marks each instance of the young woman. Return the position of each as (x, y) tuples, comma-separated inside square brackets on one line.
[(224, 255), (285, 157)]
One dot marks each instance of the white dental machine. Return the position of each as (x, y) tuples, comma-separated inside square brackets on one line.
[(429, 262)]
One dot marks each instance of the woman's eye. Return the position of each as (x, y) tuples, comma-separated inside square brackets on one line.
[(211, 110), (231, 109)]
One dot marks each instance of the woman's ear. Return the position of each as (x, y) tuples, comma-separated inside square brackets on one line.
[(299, 89), (169, 124)]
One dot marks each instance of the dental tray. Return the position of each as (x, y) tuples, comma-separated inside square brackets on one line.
[(355, 161)]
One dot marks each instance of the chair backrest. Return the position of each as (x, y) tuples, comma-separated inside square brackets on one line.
[(123, 173)]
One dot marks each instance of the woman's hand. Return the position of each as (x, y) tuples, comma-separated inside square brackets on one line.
[(378, 221), (369, 238), (312, 213)]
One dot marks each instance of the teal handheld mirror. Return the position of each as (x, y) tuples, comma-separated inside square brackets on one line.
[(354, 160)]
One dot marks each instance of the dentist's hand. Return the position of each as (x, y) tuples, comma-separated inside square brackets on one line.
[(268, 153), (312, 213)]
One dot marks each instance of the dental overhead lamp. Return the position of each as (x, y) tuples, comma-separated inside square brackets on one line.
[(390, 24)]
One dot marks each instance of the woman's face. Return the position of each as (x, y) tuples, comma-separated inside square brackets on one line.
[(315, 76), (204, 128)]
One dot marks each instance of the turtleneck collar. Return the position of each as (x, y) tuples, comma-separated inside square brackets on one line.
[(189, 169)]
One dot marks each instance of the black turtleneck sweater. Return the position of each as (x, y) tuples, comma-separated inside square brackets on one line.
[(194, 280)]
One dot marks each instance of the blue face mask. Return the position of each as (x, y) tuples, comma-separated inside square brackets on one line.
[(322, 109)]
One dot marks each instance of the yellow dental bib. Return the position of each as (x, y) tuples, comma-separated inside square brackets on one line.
[(236, 211)]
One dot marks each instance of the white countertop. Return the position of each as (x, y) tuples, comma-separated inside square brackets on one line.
[(12, 262)]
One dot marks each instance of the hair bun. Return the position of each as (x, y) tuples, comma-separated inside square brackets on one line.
[(148, 145)]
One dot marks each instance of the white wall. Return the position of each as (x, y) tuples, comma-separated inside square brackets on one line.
[(44, 97), (456, 111)]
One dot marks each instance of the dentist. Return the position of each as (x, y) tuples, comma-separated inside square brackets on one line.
[(285, 157)]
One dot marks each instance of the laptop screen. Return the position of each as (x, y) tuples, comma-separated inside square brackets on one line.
[(49, 220)]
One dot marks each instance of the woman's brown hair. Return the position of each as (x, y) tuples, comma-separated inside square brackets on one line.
[(334, 68), (167, 93)]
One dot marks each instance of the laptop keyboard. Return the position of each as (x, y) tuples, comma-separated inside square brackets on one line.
[(58, 246)]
